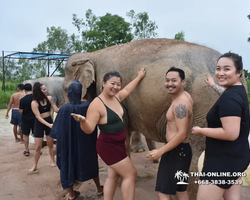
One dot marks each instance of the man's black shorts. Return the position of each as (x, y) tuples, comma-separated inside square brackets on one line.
[(177, 160), (28, 126)]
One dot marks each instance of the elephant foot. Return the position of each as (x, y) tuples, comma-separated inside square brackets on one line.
[(136, 145)]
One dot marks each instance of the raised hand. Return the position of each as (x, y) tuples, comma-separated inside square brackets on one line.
[(209, 80), (141, 72), (78, 117)]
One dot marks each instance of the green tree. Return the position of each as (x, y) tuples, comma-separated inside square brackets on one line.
[(58, 41), (142, 27), (180, 36), (30, 69), (19, 70), (100, 32), (10, 68), (247, 74)]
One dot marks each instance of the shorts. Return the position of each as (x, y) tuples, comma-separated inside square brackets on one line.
[(41, 128), (16, 118), (111, 147), (221, 164), (28, 126), (172, 162)]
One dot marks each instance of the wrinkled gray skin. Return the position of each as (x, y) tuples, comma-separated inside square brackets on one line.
[(54, 87), (148, 103)]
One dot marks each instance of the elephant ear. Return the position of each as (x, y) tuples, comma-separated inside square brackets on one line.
[(85, 73)]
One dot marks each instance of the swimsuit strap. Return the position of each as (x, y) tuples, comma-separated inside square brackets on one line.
[(117, 99), (101, 100), (105, 104)]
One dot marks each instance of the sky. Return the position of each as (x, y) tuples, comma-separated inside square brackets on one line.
[(219, 24)]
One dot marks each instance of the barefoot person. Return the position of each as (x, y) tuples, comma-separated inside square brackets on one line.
[(107, 112), (41, 106), (227, 149), (76, 151), (176, 154), (28, 117), (16, 116)]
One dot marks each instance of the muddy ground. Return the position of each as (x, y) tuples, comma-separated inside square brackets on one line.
[(16, 183)]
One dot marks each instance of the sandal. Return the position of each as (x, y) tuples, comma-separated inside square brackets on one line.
[(99, 195), (77, 194), (26, 153), (17, 141)]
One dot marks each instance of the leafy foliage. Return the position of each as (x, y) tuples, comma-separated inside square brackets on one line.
[(100, 32), (16, 71), (142, 27), (248, 90), (5, 98), (247, 74), (58, 41), (94, 33), (180, 36)]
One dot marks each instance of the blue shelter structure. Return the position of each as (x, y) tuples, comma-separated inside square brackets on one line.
[(34, 56)]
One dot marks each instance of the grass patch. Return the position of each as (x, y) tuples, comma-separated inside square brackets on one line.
[(248, 90), (5, 98), (10, 88)]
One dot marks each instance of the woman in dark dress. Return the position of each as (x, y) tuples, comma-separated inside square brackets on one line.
[(227, 149)]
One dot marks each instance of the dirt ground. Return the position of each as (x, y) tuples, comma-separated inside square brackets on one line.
[(16, 183)]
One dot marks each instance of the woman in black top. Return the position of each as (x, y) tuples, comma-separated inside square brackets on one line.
[(227, 149), (41, 106)]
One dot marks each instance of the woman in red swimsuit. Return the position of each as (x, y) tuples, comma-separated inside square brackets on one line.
[(107, 112)]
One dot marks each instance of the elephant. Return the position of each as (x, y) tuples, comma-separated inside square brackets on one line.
[(54, 86), (148, 103)]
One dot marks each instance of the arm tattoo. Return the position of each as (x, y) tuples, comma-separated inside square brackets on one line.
[(219, 90), (181, 111)]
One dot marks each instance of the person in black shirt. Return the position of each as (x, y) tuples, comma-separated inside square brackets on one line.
[(28, 117), (227, 149)]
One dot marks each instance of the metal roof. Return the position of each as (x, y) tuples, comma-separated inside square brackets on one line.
[(37, 56)]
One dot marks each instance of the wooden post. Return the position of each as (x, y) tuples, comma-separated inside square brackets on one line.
[(3, 87)]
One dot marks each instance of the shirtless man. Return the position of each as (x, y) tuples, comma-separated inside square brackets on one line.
[(176, 154), (16, 116)]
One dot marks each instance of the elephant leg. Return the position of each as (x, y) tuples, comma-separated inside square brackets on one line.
[(151, 146), (136, 143), (127, 143)]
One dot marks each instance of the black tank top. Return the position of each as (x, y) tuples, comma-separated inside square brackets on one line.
[(45, 108), (114, 123)]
